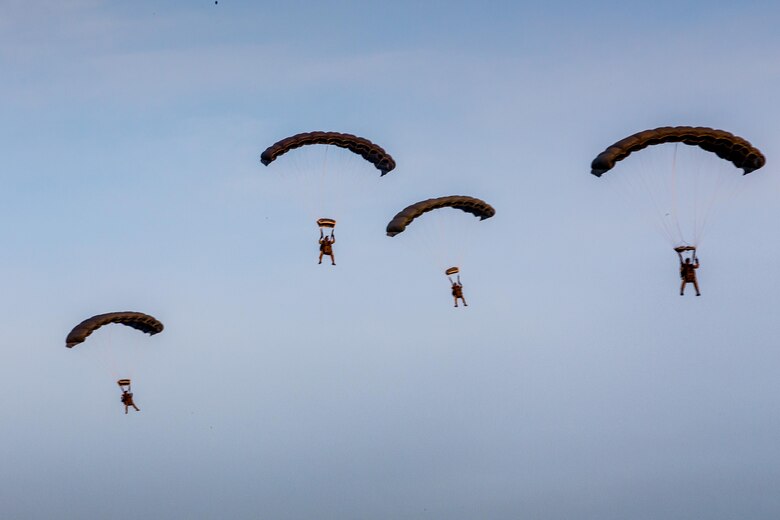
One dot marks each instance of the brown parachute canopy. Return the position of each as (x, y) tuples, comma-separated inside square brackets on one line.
[(371, 152), (478, 208), (726, 145), (137, 320)]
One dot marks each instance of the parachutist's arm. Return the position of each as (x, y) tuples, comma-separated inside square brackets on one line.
[(321, 234), (458, 279), (450, 279)]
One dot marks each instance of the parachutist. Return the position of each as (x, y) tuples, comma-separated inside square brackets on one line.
[(688, 272), (127, 395), (127, 400), (326, 246), (457, 291)]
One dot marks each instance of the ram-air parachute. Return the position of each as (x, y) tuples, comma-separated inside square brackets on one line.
[(371, 152), (136, 320), (445, 234), (725, 145), (327, 173), (478, 208), (681, 186)]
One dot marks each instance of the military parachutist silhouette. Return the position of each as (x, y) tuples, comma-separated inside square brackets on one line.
[(326, 246), (457, 291), (457, 287), (688, 269), (127, 395)]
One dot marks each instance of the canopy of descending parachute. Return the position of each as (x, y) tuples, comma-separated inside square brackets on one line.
[(680, 186), (326, 172), (371, 152), (442, 233), (478, 208), (136, 320)]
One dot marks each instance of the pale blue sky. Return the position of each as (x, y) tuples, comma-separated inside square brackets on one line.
[(577, 384)]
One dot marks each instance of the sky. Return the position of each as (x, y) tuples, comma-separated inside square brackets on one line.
[(577, 383)]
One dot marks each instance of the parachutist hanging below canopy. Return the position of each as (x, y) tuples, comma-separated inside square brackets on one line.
[(680, 183)]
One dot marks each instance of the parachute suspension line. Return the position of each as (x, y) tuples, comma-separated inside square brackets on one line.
[(696, 225), (442, 243), (434, 235), (730, 194), (653, 196), (322, 181), (652, 188), (640, 191), (110, 358), (675, 211)]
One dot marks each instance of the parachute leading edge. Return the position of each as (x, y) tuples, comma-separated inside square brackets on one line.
[(137, 320), (478, 208), (724, 144), (371, 152)]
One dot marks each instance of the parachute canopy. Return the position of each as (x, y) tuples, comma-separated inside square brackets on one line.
[(451, 271), (478, 208), (371, 152), (137, 320), (726, 145)]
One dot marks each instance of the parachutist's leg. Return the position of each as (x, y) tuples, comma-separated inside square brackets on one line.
[(125, 409), (456, 301), (696, 286), (682, 288), (136, 408), (332, 259), (320, 257), (464, 302)]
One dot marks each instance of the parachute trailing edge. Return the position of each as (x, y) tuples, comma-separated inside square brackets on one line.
[(371, 152), (136, 320), (724, 144), (478, 208)]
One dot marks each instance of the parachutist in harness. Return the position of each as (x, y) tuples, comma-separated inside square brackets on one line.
[(127, 395), (326, 246), (457, 291), (688, 270)]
